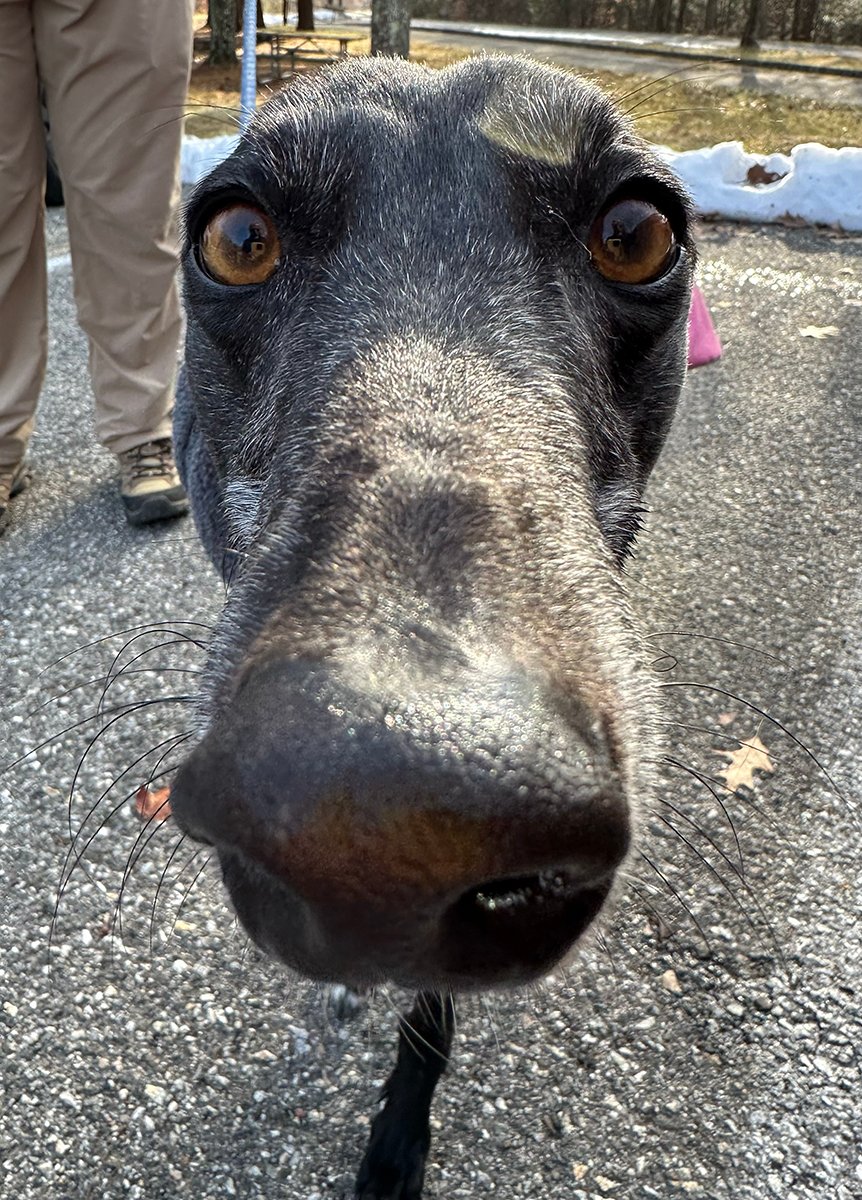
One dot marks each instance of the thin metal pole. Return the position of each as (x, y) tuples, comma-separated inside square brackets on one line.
[(248, 80)]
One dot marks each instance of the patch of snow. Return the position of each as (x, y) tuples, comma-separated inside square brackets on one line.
[(322, 16), (200, 155), (816, 183)]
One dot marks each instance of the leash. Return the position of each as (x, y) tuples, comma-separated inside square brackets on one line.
[(248, 79)]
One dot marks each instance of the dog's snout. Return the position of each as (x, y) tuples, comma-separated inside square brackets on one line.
[(436, 335), (468, 840)]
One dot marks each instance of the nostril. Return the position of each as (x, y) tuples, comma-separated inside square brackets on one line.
[(519, 892), (504, 927)]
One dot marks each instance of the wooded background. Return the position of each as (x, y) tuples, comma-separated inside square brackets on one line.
[(390, 25), (798, 20), (830, 21)]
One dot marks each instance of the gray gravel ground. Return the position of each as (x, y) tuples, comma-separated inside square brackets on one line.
[(174, 1062)]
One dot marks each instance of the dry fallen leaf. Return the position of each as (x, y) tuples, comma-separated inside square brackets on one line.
[(153, 805), (819, 331), (757, 175), (750, 756)]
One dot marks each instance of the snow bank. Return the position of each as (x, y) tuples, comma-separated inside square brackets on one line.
[(814, 183), (200, 155)]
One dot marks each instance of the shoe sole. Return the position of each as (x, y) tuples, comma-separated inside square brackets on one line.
[(158, 506), (21, 483)]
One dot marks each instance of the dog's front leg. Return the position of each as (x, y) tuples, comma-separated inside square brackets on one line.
[(394, 1164)]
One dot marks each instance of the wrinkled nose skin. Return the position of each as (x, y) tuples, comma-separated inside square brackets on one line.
[(464, 837)]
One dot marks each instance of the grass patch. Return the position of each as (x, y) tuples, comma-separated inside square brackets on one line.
[(687, 116), (682, 115)]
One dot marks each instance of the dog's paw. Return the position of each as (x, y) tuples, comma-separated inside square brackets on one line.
[(394, 1164)]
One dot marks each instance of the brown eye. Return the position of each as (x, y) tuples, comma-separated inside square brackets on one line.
[(239, 245), (632, 242)]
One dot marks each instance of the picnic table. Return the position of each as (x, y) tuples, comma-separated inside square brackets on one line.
[(290, 47)]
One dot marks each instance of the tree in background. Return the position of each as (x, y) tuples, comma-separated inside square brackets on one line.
[(804, 16), (751, 29), (390, 27), (221, 19), (661, 16), (305, 14), (224, 20)]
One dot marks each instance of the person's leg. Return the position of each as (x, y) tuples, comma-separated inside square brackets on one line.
[(116, 77), (23, 314)]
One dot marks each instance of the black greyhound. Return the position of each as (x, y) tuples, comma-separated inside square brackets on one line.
[(436, 334)]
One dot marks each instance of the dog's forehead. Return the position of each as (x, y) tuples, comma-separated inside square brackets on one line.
[(521, 107)]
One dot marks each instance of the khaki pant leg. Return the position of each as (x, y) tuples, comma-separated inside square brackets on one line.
[(23, 317), (116, 77)]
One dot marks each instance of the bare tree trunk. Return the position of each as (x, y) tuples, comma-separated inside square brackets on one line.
[(238, 18), (222, 23), (804, 16), (390, 27), (751, 30), (660, 17), (640, 15), (305, 14), (224, 20), (783, 28), (680, 16)]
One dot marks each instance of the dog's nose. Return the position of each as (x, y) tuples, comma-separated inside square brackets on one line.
[(466, 836)]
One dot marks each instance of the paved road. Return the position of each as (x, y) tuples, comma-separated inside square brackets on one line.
[(701, 43), (594, 50), (658, 1066), (827, 89)]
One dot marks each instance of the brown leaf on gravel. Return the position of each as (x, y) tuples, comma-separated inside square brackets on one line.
[(750, 756), (152, 805)]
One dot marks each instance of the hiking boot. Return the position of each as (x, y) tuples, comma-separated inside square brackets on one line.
[(150, 485), (12, 481)]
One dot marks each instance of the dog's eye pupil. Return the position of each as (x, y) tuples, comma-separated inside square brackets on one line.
[(632, 242), (239, 245)]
